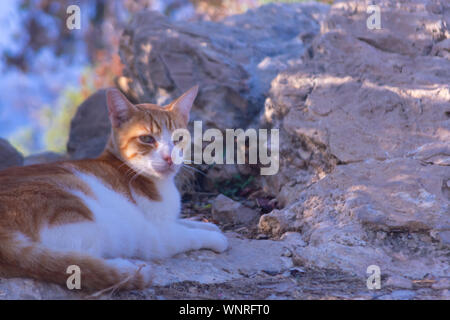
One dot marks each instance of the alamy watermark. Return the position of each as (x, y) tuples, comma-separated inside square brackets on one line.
[(374, 280), (74, 280), (262, 148), (73, 21), (374, 20)]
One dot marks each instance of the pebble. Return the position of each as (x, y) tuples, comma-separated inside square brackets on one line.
[(399, 282), (443, 283), (402, 294)]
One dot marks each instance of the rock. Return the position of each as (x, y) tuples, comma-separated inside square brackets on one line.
[(417, 18), (367, 96), (368, 111), (44, 157), (444, 237), (90, 128), (337, 213), (443, 283), (446, 294), (232, 65), (399, 295), (9, 157), (228, 211), (28, 289), (433, 153), (278, 222), (294, 238), (399, 282)]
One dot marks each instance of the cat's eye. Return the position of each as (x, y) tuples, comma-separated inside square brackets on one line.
[(147, 139)]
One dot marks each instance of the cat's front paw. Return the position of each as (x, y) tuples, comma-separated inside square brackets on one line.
[(200, 225)]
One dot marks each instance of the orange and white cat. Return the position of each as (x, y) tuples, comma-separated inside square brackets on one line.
[(96, 213)]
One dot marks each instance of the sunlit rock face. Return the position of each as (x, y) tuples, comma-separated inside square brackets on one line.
[(365, 123), (233, 61)]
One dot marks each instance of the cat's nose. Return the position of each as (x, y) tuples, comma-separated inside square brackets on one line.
[(168, 159)]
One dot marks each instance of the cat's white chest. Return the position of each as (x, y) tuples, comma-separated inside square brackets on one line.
[(167, 209)]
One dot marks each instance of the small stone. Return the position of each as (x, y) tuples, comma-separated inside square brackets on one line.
[(287, 253), (399, 282), (296, 271), (271, 272), (403, 295), (445, 294), (443, 283), (228, 211), (381, 235), (444, 238), (277, 222), (293, 238), (425, 238), (262, 236)]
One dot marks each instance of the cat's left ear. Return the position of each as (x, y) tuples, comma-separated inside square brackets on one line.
[(119, 108), (184, 103)]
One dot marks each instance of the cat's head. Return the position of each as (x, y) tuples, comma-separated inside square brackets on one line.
[(142, 133)]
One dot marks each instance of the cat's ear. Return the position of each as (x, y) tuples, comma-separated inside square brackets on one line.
[(119, 108), (184, 103)]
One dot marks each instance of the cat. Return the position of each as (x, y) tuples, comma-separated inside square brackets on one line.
[(99, 213)]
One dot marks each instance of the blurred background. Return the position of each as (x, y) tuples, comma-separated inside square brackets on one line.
[(47, 70)]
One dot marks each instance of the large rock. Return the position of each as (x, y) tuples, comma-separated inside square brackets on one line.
[(232, 61), (9, 157), (365, 131), (90, 128), (388, 213)]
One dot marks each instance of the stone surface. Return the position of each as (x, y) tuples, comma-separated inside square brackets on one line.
[(9, 157), (365, 125), (90, 128), (244, 258), (399, 295), (443, 283), (228, 211), (278, 222), (28, 289), (232, 65), (399, 282), (44, 157)]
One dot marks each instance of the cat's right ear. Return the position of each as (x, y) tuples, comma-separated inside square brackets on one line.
[(119, 108)]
